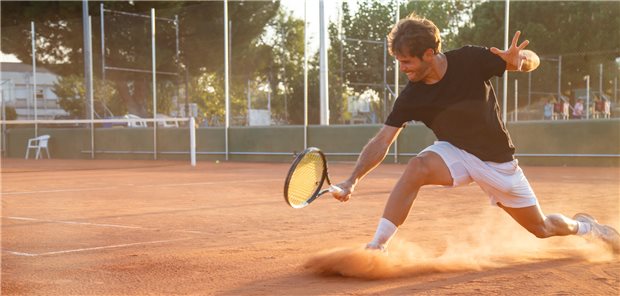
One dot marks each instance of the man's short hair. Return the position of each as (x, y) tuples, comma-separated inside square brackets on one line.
[(413, 35)]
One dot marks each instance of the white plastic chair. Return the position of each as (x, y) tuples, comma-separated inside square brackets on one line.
[(38, 143)]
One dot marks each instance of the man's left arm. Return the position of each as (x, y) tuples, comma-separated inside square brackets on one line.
[(518, 58)]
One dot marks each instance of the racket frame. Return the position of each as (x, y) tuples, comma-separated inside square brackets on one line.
[(318, 192)]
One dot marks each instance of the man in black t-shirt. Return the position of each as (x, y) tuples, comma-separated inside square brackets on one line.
[(451, 94)]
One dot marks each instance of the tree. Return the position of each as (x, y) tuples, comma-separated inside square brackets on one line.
[(357, 55), (72, 98), (272, 61), (59, 38), (446, 15), (284, 41), (584, 33), (358, 59)]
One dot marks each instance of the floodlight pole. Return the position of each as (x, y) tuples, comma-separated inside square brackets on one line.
[(226, 77), (154, 78), (505, 82), (87, 49), (305, 74), (101, 14), (323, 76), (91, 98), (178, 61), (88, 70)]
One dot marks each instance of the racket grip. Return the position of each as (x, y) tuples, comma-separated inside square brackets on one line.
[(334, 188)]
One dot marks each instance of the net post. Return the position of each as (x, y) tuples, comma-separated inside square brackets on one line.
[(192, 140)]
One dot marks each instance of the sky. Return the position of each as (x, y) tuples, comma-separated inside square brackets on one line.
[(296, 7)]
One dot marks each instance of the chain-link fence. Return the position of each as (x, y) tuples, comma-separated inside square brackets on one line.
[(272, 67)]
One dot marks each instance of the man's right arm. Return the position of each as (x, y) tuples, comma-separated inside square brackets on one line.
[(373, 153)]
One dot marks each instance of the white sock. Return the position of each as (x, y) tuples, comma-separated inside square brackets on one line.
[(583, 228), (385, 231)]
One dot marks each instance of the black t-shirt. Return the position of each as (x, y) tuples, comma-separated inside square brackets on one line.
[(461, 108)]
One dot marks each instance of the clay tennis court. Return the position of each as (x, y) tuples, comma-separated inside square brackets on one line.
[(101, 227)]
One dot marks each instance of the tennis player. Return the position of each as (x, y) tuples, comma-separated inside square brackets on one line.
[(450, 93)]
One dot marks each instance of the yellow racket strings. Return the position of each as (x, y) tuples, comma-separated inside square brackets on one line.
[(305, 179)]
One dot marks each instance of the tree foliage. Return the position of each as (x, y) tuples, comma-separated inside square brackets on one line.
[(446, 15), (201, 24), (72, 98), (584, 33), (267, 49), (359, 55)]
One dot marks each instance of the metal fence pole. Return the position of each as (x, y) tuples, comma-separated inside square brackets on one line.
[(34, 80), (505, 86), (154, 78), (192, 140), (226, 78), (91, 98), (516, 100)]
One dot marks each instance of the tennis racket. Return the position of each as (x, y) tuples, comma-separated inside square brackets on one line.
[(306, 177)]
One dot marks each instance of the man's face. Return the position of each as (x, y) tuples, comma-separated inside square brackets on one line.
[(415, 68)]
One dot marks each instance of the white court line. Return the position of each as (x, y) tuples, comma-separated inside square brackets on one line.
[(98, 224), (93, 248), (212, 183), (20, 253), (149, 185), (77, 223), (57, 190)]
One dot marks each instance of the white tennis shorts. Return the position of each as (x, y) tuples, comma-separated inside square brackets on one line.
[(504, 183)]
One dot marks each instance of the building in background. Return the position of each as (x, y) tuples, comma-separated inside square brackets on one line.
[(16, 87)]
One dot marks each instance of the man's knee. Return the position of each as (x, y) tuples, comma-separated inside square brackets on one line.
[(419, 169)]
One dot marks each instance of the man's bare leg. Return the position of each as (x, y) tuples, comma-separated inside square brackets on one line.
[(425, 169), (533, 219)]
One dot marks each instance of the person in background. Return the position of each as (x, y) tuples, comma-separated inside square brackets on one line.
[(578, 109), (548, 110)]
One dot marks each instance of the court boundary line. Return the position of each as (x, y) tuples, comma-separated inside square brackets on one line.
[(73, 222), (92, 248), (99, 224), (131, 185)]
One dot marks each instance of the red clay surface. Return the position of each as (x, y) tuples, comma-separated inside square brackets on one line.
[(77, 227)]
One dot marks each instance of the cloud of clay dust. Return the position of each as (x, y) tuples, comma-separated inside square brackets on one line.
[(492, 240)]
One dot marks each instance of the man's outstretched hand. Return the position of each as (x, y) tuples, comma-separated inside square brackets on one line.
[(516, 55)]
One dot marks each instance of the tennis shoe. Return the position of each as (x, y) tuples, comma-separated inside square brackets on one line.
[(601, 232)]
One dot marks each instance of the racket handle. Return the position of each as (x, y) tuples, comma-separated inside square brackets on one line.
[(334, 188)]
